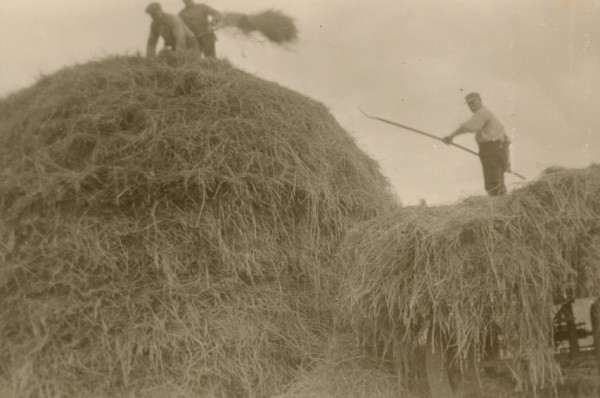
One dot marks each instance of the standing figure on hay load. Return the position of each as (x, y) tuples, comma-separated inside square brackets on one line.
[(171, 28), (201, 20), (492, 141)]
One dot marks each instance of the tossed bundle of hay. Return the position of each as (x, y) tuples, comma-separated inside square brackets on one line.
[(274, 25), (168, 228), (468, 269)]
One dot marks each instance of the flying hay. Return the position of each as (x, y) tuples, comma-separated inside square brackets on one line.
[(467, 269), (275, 26), (167, 229)]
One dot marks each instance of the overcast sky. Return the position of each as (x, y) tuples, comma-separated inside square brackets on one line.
[(536, 64)]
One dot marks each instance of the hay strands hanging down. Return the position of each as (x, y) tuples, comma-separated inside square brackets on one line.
[(274, 25), (430, 136), (477, 267)]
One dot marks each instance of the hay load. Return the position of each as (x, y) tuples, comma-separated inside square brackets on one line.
[(168, 228), (471, 268)]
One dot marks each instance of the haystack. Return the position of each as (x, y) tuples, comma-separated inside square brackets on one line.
[(168, 229), (470, 269), (346, 371)]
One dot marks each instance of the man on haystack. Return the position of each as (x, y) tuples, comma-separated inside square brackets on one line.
[(492, 141), (171, 28), (202, 20)]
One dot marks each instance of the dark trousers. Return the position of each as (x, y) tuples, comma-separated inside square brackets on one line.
[(206, 44), (493, 161)]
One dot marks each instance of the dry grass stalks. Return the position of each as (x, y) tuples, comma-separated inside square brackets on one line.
[(346, 371), (464, 268), (168, 228)]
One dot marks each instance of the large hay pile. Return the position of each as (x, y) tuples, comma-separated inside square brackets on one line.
[(167, 229), (469, 268)]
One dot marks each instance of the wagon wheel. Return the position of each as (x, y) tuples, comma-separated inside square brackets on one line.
[(595, 319), (491, 351), (443, 379)]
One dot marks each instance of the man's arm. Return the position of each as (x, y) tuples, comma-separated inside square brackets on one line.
[(152, 41), (472, 125), (460, 130)]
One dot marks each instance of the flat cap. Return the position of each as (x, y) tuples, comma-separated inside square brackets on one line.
[(153, 7), (472, 97)]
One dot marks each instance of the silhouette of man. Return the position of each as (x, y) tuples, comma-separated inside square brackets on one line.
[(176, 35), (201, 20)]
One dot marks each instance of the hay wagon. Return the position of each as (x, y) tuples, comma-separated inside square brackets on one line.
[(573, 338), (484, 283)]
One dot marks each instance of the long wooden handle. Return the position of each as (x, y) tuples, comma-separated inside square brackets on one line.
[(430, 136)]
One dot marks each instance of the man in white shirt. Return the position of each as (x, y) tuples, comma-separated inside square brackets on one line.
[(492, 141)]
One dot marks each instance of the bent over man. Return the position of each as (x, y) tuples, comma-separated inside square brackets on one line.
[(196, 17), (171, 28), (492, 141)]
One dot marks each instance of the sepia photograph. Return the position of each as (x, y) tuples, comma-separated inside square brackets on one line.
[(300, 199)]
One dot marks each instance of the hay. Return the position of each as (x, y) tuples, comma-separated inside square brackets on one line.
[(168, 228), (275, 26), (345, 371), (462, 269)]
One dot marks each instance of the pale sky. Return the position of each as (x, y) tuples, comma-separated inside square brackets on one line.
[(536, 64)]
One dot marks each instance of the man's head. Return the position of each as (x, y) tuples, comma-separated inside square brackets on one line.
[(474, 101), (188, 3), (154, 10)]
